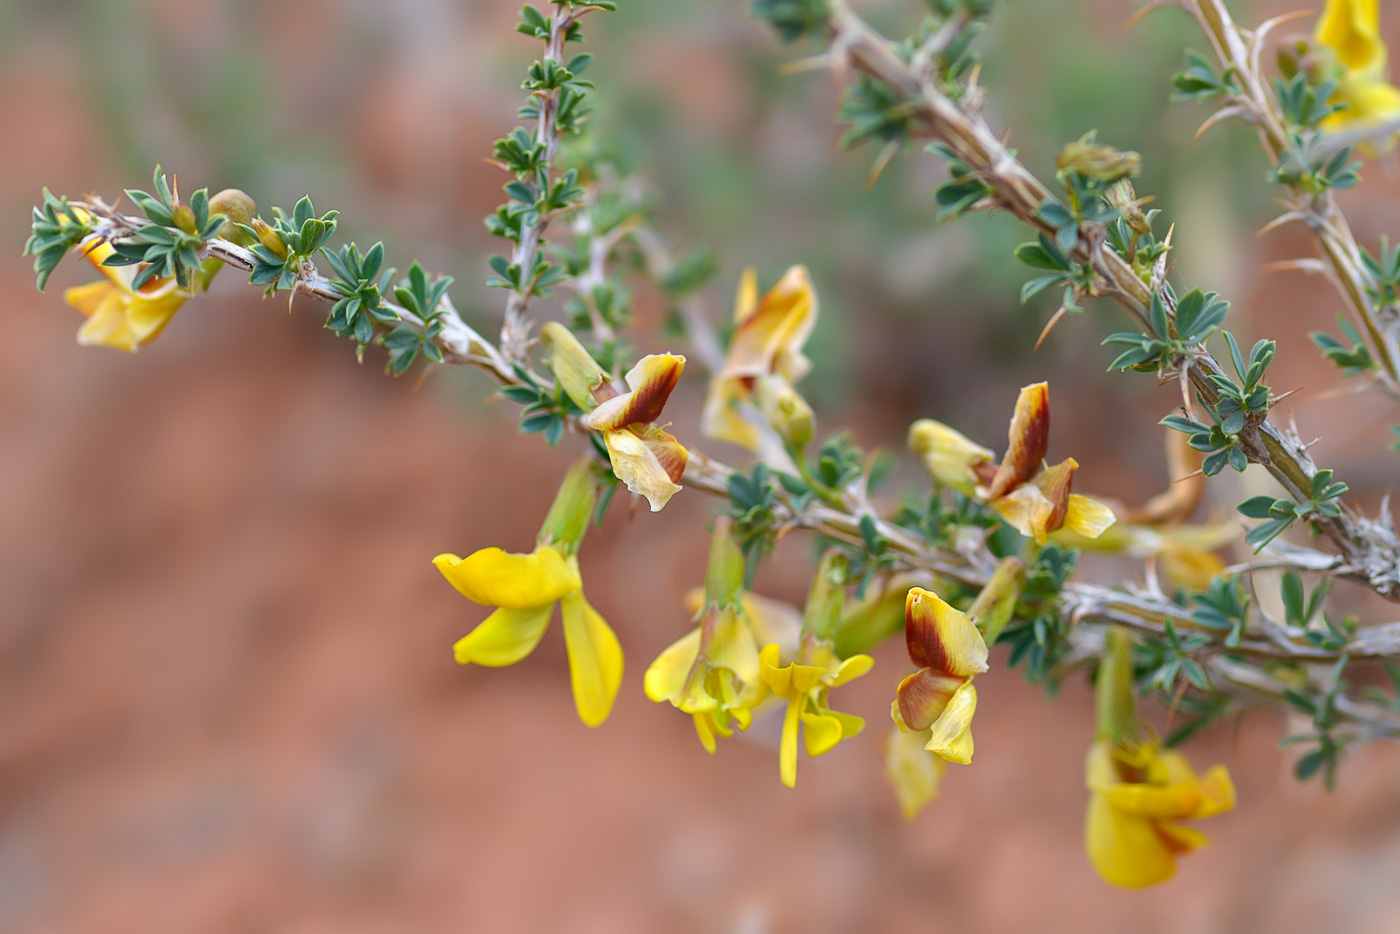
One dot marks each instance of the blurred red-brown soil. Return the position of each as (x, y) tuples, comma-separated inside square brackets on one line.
[(228, 701)]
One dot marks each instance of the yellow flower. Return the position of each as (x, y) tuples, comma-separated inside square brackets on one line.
[(1351, 29), (118, 315), (1137, 795), (764, 362), (645, 457), (940, 697), (524, 589), (804, 685), (711, 673), (1033, 499), (912, 769)]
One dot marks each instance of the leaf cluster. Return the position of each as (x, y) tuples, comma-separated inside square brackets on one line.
[(1279, 514), (55, 229), (288, 243), (171, 242)]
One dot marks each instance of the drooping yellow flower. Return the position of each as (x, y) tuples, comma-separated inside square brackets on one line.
[(712, 672), (940, 697), (764, 363), (1032, 498), (1137, 794), (804, 684), (524, 589), (1351, 29), (119, 315), (648, 459)]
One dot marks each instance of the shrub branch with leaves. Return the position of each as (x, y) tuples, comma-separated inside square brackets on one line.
[(987, 553)]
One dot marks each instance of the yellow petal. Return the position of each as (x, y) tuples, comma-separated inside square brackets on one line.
[(1027, 440), (493, 577), (770, 339), (504, 637), (820, 733), (651, 382), (746, 299), (107, 327), (637, 466), (941, 637), (1127, 851), (1351, 28), (96, 252), (1027, 511), (1088, 517), (788, 681), (665, 679), (773, 622), (1172, 802), (147, 315), (1181, 839), (87, 298), (950, 736), (922, 697), (595, 658), (733, 647), (787, 746), (723, 415), (912, 770), (852, 668), (1217, 793), (948, 455), (704, 728)]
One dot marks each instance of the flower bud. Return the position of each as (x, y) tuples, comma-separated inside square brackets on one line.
[(1097, 161), (578, 373), (238, 208), (786, 410), (184, 218), (948, 455), (270, 238), (1124, 198)]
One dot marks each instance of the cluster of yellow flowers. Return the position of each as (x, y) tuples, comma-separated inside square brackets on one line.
[(1348, 33)]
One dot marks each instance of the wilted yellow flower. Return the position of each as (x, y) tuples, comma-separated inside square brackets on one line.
[(1032, 498), (764, 363), (1137, 794), (119, 315), (804, 684), (1351, 29), (940, 697), (524, 589), (647, 458)]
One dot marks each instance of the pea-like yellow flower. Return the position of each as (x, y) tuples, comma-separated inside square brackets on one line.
[(1034, 499), (648, 459), (524, 589), (804, 684), (1137, 794), (764, 363), (1351, 29), (940, 697), (712, 672), (119, 315), (644, 456)]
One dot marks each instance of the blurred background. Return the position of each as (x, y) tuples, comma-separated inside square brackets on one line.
[(227, 695)]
